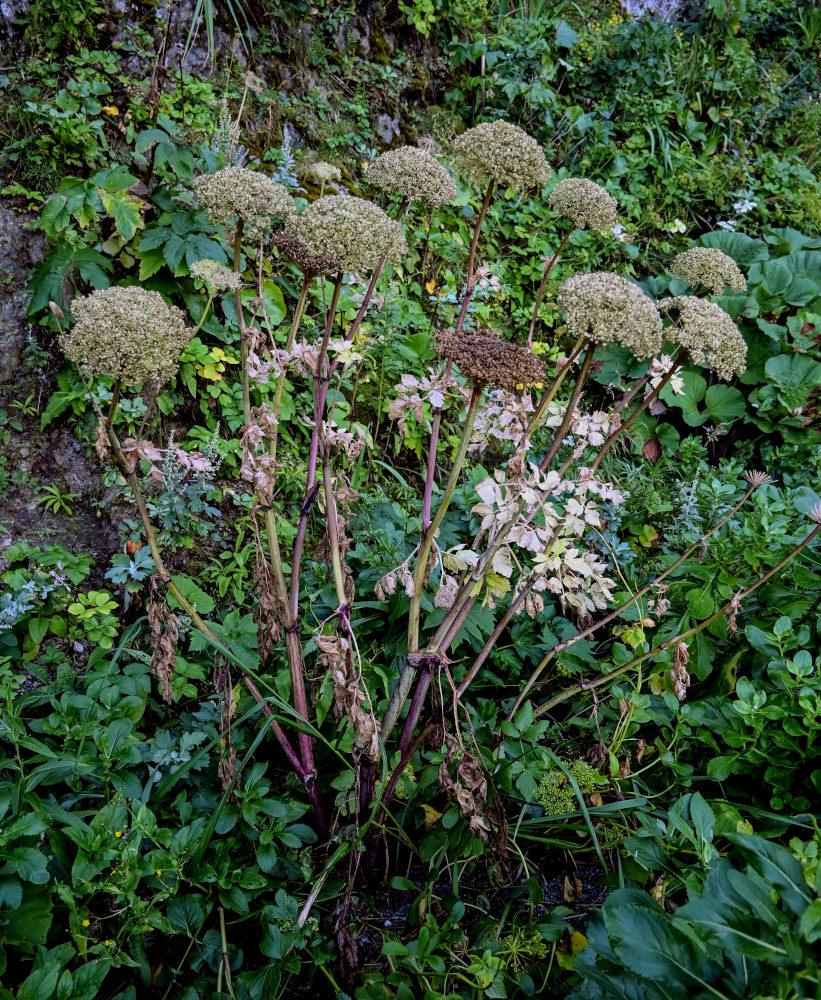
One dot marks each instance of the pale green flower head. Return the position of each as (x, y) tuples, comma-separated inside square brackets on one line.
[(504, 153), (708, 333), (414, 174), (585, 203), (324, 172), (126, 333), (235, 195), (354, 232), (215, 276), (609, 309), (710, 267)]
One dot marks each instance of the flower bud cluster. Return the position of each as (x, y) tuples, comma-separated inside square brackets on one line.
[(355, 232), (504, 153), (610, 309), (585, 203), (710, 267), (235, 194), (484, 359), (708, 333), (126, 333), (414, 174)]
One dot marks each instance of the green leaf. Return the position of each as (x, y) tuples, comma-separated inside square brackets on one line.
[(201, 601), (41, 984), (724, 404), (124, 210), (777, 866)]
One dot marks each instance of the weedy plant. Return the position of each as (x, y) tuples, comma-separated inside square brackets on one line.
[(517, 529)]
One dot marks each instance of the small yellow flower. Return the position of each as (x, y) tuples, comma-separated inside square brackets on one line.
[(118, 834), (107, 943), (86, 923), (159, 872)]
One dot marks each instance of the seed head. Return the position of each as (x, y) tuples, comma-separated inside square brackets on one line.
[(296, 253), (236, 194), (215, 277), (708, 333), (710, 267), (324, 172), (756, 479), (585, 203), (814, 513), (355, 232), (126, 333), (484, 359), (610, 309), (503, 152), (413, 173)]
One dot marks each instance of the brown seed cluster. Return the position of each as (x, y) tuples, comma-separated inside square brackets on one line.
[(502, 152), (310, 265), (235, 194), (413, 173), (126, 333), (484, 359), (355, 232), (710, 336), (609, 309), (585, 203), (710, 267)]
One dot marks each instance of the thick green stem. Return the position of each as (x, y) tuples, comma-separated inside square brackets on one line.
[(429, 535), (662, 646), (243, 333), (403, 685), (608, 444)]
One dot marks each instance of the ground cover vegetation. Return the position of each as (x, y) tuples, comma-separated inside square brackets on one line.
[(439, 614)]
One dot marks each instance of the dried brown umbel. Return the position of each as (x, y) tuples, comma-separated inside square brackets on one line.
[(756, 479), (311, 265), (484, 359)]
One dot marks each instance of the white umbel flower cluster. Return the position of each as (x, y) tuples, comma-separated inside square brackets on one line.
[(126, 333), (502, 152), (354, 232), (585, 203), (708, 333), (609, 309), (414, 174)]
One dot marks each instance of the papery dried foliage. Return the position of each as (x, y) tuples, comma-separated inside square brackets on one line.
[(259, 466), (678, 673), (268, 612), (466, 786), (227, 768), (165, 632), (349, 699)]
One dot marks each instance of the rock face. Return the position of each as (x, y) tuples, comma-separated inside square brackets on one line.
[(661, 10), (19, 252)]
